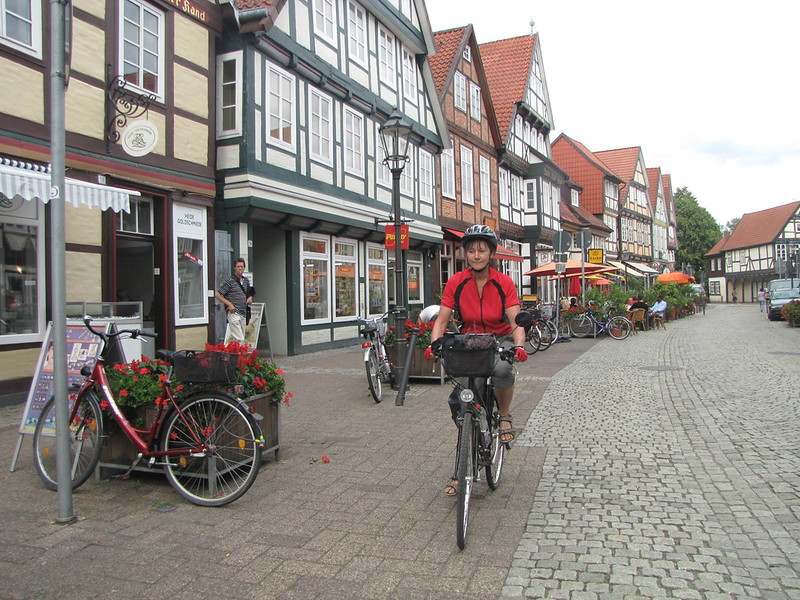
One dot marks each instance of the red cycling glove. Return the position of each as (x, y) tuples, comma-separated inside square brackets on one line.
[(428, 353), (520, 355)]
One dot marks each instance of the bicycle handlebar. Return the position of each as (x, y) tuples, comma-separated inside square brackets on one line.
[(133, 333)]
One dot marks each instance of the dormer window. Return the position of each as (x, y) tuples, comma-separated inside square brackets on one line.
[(468, 54)]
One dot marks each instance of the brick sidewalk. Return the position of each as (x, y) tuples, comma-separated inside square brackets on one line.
[(372, 523)]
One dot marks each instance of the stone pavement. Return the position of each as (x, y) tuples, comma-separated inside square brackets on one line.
[(662, 466)]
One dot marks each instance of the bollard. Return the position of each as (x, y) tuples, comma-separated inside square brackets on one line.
[(401, 391)]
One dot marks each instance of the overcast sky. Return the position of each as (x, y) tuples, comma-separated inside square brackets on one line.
[(708, 88)]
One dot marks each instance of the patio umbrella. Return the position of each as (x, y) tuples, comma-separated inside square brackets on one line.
[(599, 281), (674, 277), (573, 267)]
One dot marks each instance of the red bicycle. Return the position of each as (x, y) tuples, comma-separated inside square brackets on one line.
[(209, 444)]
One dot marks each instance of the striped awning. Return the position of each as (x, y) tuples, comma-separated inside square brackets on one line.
[(19, 180)]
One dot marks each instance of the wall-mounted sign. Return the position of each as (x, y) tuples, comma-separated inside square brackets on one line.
[(191, 9), (596, 257), (139, 137), (390, 237)]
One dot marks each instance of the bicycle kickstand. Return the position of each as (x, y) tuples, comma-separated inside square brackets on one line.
[(127, 473)]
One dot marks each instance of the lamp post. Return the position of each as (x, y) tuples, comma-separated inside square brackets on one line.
[(394, 139)]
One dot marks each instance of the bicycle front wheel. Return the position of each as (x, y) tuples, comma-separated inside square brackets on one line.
[(581, 326), (464, 473), (85, 433), (619, 328), (374, 374), (498, 453), (226, 465)]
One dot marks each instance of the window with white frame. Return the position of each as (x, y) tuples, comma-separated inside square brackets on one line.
[(345, 279), (474, 101), (502, 184), (467, 176), (530, 196), (353, 142), (325, 20), (516, 190), (320, 117), (376, 280), (425, 176), (446, 261), (382, 172), (229, 94), (386, 58), (611, 192), (485, 179), (414, 276), (189, 264), (280, 91), (315, 265), (460, 91), (22, 260), (408, 176), (448, 174), (467, 54), (21, 25), (141, 50), (357, 33), (139, 219), (409, 76)]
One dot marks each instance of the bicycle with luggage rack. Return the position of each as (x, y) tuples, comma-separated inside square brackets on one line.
[(209, 444), (587, 324), (472, 356), (376, 359)]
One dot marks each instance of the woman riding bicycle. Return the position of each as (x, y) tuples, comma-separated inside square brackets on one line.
[(487, 302)]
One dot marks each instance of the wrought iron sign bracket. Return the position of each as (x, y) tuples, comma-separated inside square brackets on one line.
[(123, 104)]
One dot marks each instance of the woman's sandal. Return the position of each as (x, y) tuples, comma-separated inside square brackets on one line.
[(507, 431), (451, 488)]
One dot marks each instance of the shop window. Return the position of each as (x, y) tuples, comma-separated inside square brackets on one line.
[(315, 262), (22, 257), (191, 270), (345, 278), (376, 280), (414, 277)]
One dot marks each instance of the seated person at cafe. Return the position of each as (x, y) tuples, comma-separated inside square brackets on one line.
[(640, 303), (659, 308)]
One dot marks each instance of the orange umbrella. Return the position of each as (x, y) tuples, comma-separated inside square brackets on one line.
[(674, 277), (573, 267), (599, 281)]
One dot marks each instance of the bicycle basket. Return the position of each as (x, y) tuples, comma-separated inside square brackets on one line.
[(469, 354), (535, 313), (205, 367)]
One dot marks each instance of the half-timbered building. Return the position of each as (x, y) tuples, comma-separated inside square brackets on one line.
[(139, 139), (659, 232), (304, 89)]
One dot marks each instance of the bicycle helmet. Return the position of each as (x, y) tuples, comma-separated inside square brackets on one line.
[(480, 232)]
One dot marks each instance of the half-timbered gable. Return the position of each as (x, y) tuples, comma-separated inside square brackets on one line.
[(600, 196), (468, 190), (528, 179), (760, 248), (635, 215), (139, 139), (304, 184), (660, 220), (672, 220), (717, 286)]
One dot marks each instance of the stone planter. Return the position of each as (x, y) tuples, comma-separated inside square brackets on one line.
[(118, 451), (420, 368)]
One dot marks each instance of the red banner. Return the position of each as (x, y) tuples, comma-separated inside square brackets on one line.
[(389, 241)]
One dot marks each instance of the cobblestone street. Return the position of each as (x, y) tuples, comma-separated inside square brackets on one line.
[(662, 466)]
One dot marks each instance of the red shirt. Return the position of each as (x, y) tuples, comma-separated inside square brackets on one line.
[(481, 314)]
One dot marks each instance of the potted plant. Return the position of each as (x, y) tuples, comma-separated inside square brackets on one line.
[(791, 312), (419, 366)]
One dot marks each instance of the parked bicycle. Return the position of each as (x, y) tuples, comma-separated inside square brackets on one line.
[(542, 333), (209, 444), (587, 324), (376, 360), (472, 356)]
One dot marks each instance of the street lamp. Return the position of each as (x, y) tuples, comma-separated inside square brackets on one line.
[(394, 139)]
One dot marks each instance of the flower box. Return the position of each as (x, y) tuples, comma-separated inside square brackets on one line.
[(420, 368)]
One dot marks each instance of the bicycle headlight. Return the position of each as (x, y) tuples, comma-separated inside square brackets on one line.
[(466, 395)]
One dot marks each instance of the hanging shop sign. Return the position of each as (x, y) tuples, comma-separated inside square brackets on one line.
[(139, 137), (390, 240)]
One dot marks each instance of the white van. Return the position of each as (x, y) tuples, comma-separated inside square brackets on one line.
[(783, 284)]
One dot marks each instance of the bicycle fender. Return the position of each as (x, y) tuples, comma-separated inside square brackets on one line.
[(366, 354)]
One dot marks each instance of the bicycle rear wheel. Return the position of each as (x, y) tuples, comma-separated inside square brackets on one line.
[(464, 473), (374, 374), (228, 467), (619, 328), (85, 434), (498, 453), (546, 334), (553, 331), (581, 326), (533, 341)]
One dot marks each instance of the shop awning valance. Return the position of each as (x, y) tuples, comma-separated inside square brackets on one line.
[(32, 182), (503, 253)]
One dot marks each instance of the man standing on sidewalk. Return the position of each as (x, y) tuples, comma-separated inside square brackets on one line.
[(236, 294)]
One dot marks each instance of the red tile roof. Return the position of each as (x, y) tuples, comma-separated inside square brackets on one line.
[(507, 64), (622, 161), (654, 176), (447, 44), (718, 247), (585, 169), (762, 227)]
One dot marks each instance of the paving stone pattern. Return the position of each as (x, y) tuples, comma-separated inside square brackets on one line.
[(672, 467)]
